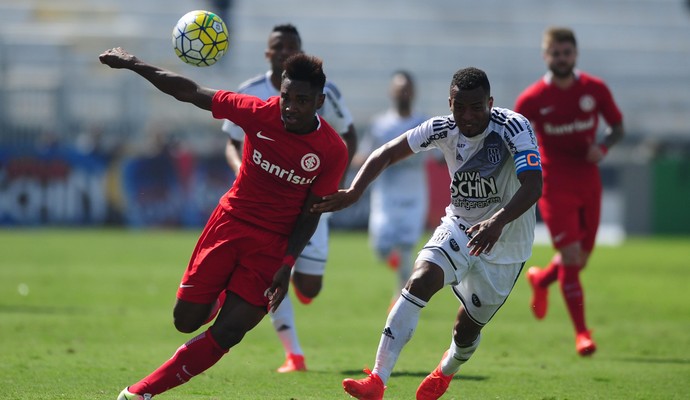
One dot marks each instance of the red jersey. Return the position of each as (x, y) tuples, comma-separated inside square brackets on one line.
[(566, 122), (279, 168)]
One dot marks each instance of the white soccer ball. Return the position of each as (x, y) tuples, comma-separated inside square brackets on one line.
[(200, 38)]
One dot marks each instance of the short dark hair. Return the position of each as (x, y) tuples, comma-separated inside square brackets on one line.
[(405, 74), (303, 67), (558, 34), (287, 28), (471, 78)]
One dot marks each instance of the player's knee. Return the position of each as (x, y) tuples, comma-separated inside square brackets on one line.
[(308, 285), (186, 325), (188, 317), (310, 290), (425, 281), (226, 337)]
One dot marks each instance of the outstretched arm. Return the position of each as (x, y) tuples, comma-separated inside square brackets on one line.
[(303, 231), (388, 154), (181, 88)]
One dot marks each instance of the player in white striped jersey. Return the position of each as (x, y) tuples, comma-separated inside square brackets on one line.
[(483, 240), (399, 197), (307, 276)]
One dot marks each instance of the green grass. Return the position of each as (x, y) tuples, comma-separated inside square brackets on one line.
[(84, 313)]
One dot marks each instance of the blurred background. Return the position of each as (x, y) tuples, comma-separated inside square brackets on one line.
[(81, 144)]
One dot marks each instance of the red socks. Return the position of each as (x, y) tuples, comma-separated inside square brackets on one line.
[(569, 279), (549, 274), (191, 359)]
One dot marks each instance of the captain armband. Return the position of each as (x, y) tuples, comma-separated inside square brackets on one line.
[(528, 160)]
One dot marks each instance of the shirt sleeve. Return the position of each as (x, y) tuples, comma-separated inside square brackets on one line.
[(429, 134), (238, 108), (522, 141), (609, 110), (334, 110), (328, 180), (232, 130)]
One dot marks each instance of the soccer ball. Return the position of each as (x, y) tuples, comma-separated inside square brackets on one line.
[(200, 38)]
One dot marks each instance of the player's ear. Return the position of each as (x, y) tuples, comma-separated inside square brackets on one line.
[(319, 100)]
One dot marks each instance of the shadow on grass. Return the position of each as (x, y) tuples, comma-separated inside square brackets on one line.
[(24, 309), (418, 374), (654, 360)]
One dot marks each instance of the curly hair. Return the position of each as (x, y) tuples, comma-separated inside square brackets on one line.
[(303, 67), (470, 78)]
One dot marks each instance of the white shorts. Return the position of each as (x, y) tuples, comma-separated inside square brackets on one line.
[(312, 261), (481, 286)]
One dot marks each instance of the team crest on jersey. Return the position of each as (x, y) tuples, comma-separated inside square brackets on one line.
[(587, 103), (493, 153), (310, 162)]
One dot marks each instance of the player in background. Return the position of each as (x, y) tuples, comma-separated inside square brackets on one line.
[(483, 240), (261, 225), (564, 107), (307, 276), (399, 197)]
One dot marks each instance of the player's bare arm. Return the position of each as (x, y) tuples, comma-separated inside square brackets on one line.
[(596, 152), (486, 233), (350, 139), (233, 154), (303, 231), (178, 86), (386, 155)]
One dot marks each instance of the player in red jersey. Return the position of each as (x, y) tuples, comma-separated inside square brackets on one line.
[(247, 249), (564, 108)]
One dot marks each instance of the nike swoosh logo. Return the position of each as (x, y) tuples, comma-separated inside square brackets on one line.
[(546, 110), (186, 286), (559, 237), (260, 136)]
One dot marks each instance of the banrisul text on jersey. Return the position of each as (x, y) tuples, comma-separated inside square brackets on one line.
[(281, 172)]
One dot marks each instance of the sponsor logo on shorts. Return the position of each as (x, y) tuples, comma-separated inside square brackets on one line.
[(454, 245), (475, 300)]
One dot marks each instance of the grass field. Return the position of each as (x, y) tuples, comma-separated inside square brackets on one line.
[(84, 313)]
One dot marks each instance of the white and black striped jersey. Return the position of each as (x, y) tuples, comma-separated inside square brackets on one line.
[(484, 171)]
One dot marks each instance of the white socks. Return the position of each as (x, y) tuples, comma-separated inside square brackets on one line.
[(457, 356), (400, 326), (405, 267), (283, 320)]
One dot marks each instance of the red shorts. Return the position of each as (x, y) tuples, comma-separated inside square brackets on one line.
[(232, 254), (572, 215)]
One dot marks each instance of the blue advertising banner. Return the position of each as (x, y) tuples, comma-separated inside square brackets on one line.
[(64, 187), (57, 186)]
